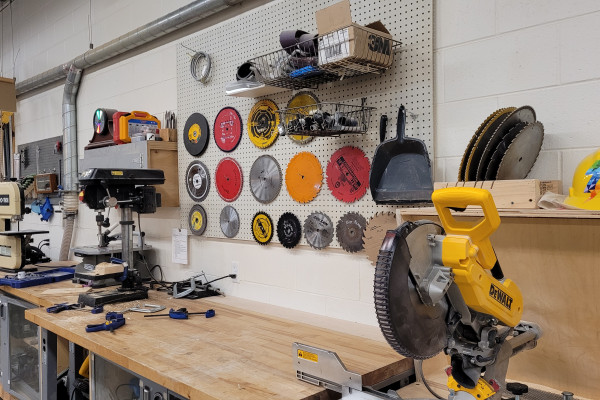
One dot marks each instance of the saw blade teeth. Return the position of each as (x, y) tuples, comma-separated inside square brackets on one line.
[(265, 179), (318, 230), (262, 228), (515, 161), (289, 230), (462, 172), (350, 230), (375, 231), (304, 177)]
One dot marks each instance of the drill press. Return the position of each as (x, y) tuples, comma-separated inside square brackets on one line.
[(129, 190)]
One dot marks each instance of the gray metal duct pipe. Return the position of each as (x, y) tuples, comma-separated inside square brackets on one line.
[(153, 30), (69, 110)]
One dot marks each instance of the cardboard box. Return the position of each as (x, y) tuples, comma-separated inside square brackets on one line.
[(168, 134), (8, 95), (344, 44)]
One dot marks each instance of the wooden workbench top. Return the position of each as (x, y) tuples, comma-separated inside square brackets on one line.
[(239, 354)]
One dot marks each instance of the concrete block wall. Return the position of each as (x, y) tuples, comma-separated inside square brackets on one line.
[(488, 54), (493, 54)]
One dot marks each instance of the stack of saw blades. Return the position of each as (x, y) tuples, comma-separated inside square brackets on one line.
[(505, 146)]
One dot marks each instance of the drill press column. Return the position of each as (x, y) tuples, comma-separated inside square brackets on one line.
[(127, 235)]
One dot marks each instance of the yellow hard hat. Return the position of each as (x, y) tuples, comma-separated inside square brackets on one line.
[(585, 189)]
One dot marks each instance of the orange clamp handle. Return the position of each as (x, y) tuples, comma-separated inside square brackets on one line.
[(480, 230)]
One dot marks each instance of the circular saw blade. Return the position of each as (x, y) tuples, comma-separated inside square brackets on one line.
[(197, 179), (492, 168), (195, 134), (229, 221), (318, 230), (348, 174), (523, 114), (349, 231), (375, 231), (475, 145), (522, 152), (197, 220), (227, 129), (289, 230), (308, 101), (303, 177), (229, 179), (412, 328), (265, 179), (262, 228), (263, 123)]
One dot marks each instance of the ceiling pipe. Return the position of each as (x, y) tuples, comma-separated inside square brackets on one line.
[(171, 22)]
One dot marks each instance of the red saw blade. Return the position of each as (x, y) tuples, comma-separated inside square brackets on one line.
[(228, 129), (348, 174), (228, 179)]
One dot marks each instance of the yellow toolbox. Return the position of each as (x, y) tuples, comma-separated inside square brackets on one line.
[(137, 123)]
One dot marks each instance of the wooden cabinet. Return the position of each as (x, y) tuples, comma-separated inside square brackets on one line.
[(145, 154)]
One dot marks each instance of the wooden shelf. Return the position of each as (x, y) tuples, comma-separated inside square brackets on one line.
[(512, 213)]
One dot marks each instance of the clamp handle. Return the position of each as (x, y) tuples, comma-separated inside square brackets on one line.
[(480, 230)]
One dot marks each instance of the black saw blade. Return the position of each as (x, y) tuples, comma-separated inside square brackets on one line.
[(197, 220), (197, 179), (349, 230), (289, 230), (412, 328)]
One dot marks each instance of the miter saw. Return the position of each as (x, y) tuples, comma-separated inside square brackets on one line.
[(440, 288)]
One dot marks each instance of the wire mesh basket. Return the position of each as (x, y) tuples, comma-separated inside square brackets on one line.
[(347, 52), (324, 119)]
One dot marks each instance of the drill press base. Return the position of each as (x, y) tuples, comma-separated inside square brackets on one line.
[(112, 296)]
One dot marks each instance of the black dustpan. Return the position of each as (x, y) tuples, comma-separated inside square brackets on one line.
[(401, 170)]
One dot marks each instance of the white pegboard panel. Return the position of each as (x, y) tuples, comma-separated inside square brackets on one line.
[(230, 43)]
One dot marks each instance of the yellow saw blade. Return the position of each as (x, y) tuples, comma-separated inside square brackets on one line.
[(263, 122), (305, 103), (464, 163), (304, 177), (375, 231)]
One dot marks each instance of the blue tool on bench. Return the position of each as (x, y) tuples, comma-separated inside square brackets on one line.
[(114, 321), (183, 313), (55, 309)]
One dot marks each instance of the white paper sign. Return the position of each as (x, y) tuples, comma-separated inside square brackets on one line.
[(179, 246)]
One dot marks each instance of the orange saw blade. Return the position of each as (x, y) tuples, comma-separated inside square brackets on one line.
[(304, 177)]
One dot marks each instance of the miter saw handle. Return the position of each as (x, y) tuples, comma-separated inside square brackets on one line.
[(479, 231)]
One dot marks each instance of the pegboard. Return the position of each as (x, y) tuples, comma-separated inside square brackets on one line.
[(409, 81)]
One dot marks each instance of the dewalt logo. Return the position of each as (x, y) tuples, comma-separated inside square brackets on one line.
[(497, 294)]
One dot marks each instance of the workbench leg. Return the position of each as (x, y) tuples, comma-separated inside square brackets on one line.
[(48, 373), (76, 356)]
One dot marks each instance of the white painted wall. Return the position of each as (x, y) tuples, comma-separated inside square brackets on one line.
[(488, 54)]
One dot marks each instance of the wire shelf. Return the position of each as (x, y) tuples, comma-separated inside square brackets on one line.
[(324, 119), (347, 52)]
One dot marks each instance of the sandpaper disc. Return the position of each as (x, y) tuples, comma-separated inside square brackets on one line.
[(263, 123), (229, 179), (195, 134), (197, 220), (348, 174), (227, 129)]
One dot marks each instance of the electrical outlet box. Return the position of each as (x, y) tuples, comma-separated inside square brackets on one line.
[(235, 269)]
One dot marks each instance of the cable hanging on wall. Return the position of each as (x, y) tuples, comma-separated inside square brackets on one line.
[(200, 61)]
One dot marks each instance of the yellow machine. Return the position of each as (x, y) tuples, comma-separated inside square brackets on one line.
[(14, 249), (441, 288)]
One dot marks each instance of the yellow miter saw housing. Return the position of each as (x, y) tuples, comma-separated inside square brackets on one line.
[(467, 249)]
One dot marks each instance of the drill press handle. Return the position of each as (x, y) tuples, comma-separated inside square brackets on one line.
[(479, 231)]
